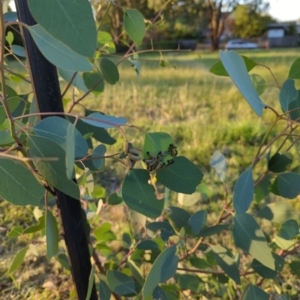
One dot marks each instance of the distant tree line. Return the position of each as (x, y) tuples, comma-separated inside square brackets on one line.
[(187, 19)]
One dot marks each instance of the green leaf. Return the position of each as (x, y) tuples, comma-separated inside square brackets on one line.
[(18, 50), (199, 263), (109, 71), (283, 243), (182, 176), (259, 83), (139, 195), (288, 93), (295, 267), (164, 227), (198, 221), (91, 282), (147, 245), (280, 162), (98, 152), (64, 261), (179, 217), (13, 103), (78, 81), (104, 233), (288, 185), (5, 135), (104, 121), (134, 25), (56, 129), (265, 272), (250, 238), (105, 292), (94, 81), (53, 171), (218, 68), (10, 16), (188, 282), (18, 260), (58, 53), (15, 231), (243, 191), (289, 229), (114, 199), (255, 293), (213, 230), (163, 269), (120, 283), (236, 68), (70, 150), (159, 294), (51, 235), (295, 69), (36, 228), (294, 107), (262, 189), (106, 42), (277, 212), (71, 23), (226, 262), (18, 185), (218, 162)]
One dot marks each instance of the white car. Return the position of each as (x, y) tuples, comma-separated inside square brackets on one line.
[(240, 44)]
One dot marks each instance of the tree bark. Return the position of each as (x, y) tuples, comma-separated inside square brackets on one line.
[(47, 93)]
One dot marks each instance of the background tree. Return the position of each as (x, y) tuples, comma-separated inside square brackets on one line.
[(248, 22), (219, 10)]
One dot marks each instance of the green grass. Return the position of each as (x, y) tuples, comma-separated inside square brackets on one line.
[(202, 112)]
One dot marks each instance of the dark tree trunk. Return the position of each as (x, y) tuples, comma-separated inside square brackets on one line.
[(47, 93)]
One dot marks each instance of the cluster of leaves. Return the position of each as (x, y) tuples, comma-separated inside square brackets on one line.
[(162, 263)]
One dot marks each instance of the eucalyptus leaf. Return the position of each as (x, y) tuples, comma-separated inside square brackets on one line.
[(94, 81), (77, 81), (280, 162), (243, 191), (53, 171), (15, 231), (218, 162), (259, 83), (134, 25), (182, 176), (18, 260), (70, 150), (109, 71), (57, 52), (264, 271), (288, 185), (226, 262), (104, 121), (289, 229), (179, 217), (288, 94), (294, 72), (249, 237), (18, 185), (218, 68), (106, 42), (277, 212), (163, 269), (69, 22), (198, 221), (236, 68), (51, 235), (139, 195), (105, 292), (56, 129), (255, 293), (120, 283)]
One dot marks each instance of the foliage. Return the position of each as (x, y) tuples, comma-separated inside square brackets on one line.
[(249, 23), (164, 259)]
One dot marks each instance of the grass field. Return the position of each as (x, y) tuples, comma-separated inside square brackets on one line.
[(202, 112)]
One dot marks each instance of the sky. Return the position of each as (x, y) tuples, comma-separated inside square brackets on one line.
[(285, 10)]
